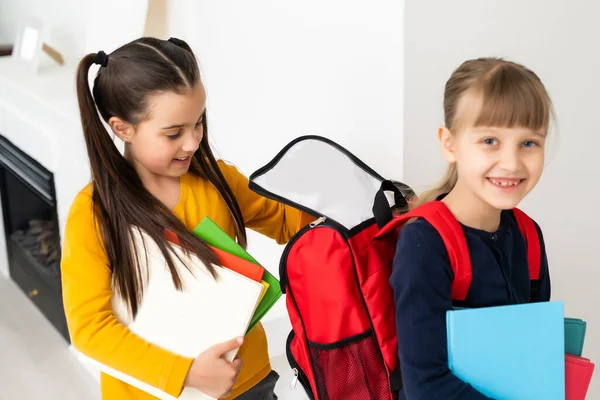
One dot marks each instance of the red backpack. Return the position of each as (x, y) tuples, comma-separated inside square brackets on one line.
[(335, 272)]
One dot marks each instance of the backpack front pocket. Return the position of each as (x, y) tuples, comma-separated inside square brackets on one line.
[(351, 369)]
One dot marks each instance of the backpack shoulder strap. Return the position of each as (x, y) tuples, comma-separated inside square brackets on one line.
[(440, 217), (534, 248)]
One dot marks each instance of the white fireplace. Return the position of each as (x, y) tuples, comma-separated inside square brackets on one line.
[(39, 115)]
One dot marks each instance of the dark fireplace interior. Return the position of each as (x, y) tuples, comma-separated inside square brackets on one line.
[(31, 228)]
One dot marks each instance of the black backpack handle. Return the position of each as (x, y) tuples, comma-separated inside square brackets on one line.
[(382, 211)]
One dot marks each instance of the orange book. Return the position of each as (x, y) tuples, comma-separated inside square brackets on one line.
[(239, 265), (234, 263)]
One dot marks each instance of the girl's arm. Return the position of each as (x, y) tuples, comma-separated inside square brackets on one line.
[(421, 281), (269, 217), (94, 329)]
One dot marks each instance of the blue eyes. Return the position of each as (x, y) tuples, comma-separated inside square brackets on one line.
[(529, 143), (495, 142)]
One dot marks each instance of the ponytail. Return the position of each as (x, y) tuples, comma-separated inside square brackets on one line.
[(103, 155)]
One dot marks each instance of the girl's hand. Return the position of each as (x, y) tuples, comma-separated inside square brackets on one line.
[(211, 373)]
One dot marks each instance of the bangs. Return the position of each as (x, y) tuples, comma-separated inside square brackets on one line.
[(510, 97)]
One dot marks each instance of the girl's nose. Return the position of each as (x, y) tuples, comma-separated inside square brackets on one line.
[(192, 141), (509, 160)]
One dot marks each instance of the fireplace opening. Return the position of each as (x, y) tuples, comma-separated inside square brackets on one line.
[(32, 232)]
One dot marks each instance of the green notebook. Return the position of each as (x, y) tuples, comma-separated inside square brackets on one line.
[(574, 336), (210, 232)]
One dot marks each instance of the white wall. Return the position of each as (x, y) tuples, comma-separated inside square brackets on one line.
[(559, 41), (278, 70), (65, 20), (77, 27)]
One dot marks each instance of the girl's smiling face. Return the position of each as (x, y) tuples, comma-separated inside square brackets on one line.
[(164, 142), (498, 166)]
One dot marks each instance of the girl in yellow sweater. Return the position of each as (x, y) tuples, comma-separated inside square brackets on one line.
[(150, 94)]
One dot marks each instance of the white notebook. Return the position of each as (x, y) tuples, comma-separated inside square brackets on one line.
[(187, 322)]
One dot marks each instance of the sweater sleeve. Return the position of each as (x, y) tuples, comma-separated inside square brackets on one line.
[(93, 327), (421, 281), (268, 217)]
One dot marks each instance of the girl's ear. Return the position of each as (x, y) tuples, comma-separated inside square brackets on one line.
[(122, 129), (446, 139)]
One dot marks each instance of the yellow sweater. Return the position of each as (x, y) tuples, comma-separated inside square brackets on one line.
[(86, 282)]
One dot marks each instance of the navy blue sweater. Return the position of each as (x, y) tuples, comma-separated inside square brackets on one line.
[(421, 280)]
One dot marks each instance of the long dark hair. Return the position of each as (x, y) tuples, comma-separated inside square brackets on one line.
[(120, 200)]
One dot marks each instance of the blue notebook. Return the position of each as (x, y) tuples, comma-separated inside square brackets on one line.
[(510, 352)]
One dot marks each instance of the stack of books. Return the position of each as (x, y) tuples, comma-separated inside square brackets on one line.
[(207, 311), (236, 255), (527, 351), (578, 369)]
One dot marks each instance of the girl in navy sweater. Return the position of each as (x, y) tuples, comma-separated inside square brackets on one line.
[(497, 115)]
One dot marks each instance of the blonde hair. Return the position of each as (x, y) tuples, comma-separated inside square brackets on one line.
[(510, 95)]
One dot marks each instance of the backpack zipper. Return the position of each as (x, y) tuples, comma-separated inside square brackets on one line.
[(317, 222), (299, 375), (294, 379)]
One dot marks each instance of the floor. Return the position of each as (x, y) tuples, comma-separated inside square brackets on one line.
[(36, 363)]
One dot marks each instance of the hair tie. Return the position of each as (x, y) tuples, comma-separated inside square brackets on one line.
[(101, 59), (176, 42)]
